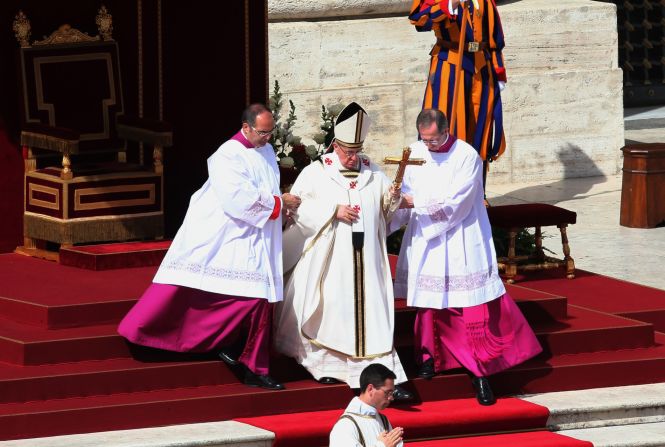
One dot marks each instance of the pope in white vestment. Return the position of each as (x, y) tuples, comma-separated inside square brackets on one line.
[(338, 309), (447, 264)]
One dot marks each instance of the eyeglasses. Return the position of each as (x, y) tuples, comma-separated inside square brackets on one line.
[(388, 393), (436, 141), (263, 133), (350, 154)]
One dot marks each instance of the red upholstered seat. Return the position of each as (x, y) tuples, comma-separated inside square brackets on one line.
[(530, 215)]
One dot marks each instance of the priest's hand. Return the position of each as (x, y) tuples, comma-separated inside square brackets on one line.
[(346, 214), (392, 438), (407, 201), (291, 202)]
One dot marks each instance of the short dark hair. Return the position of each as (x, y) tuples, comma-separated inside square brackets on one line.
[(252, 111), (376, 374), (428, 116)]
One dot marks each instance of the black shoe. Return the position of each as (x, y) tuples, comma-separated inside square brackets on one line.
[(328, 381), (227, 358), (401, 394), (265, 381), (484, 393), (426, 370)]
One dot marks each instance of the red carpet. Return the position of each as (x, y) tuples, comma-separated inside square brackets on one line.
[(63, 368), (54, 296), (453, 417), (603, 293), (529, 439), (115, 256)]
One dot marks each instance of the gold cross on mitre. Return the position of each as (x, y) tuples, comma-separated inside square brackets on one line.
[(402, 162)]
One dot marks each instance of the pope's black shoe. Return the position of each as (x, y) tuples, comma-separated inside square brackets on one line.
[(264, 381), (484, 393), (328, 380), (401, 395), (227, 358), (426, 370)]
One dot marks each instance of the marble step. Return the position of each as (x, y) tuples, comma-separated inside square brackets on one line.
[(637, 435), (226, 433), (604, 407)]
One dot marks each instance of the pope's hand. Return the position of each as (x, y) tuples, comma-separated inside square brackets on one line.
[(395, 192), (290, 201), (346, 214), (392, 438)]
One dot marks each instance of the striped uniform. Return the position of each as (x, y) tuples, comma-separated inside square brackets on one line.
[(479, 117)]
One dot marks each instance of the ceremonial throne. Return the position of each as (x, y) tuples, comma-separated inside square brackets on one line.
[(79, 187)]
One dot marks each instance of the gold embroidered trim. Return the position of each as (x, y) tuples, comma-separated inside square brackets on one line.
[(66, 34), (48, 142), (318, 344), (359, 301)]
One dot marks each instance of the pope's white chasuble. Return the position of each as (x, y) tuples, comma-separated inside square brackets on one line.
[(338, 312), (227, 243)]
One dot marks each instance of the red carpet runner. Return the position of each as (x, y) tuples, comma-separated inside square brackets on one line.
[(115, 256), (455, 417), (530, 439)]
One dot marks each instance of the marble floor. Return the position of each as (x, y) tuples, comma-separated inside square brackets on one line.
[(597, 242)]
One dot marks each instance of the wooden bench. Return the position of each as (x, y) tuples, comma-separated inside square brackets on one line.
[(514, 218)]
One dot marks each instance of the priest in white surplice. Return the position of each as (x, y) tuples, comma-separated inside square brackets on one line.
[(224, 267), (447, 264), (362, 425), (338, 309)]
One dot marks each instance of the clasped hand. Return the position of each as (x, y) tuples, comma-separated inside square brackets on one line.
[(392, 438), (291, 202)]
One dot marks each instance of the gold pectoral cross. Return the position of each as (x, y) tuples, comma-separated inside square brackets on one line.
[(402, 162)]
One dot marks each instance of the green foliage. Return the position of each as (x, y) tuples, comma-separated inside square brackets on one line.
[(525, 242), (282, 138), (289, 149), (327, 125)]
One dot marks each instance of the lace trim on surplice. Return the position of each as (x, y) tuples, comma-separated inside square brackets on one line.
[(431, 283), (261, 206), (219, 272)]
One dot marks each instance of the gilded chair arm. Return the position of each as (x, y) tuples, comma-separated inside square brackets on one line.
[(153, 132), (58, 139)]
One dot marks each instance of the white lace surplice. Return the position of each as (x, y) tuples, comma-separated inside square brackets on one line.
[(439, 264), (227, 244)]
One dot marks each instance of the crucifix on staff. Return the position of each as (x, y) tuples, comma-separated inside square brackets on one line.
[(402, 162)]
